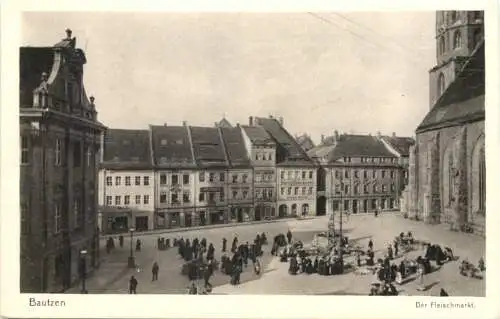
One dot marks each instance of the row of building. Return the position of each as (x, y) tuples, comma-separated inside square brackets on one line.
[(182, 176)]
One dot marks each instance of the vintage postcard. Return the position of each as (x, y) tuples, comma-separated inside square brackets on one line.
[(249, 162)]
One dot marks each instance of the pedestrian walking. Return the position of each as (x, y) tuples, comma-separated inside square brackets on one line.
[(155, 270), (224, 244), (289, 236), (132, 286), (396, 248), (138, 245)]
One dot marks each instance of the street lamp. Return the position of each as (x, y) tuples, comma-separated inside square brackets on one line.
[(131, 258), (83, 269)]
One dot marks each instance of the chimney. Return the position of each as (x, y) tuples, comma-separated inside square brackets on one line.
[(280, 119), (379, 134), (322, 138), (250, 120), (184, 123), (68, 34), (393, 134)]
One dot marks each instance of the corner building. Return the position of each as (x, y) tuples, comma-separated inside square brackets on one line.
[(448, 183), (359, 174), (59, 140)]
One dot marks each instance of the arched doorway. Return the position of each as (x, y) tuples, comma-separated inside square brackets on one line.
[(294, 209), (321, 206), (305, 209), (283, 210)]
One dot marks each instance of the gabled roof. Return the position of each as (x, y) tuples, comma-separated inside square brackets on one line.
[(463, 100), (400, 144), (235, 147), (289, 152), (208, 146), (172, 146), (305, 142), (258, 135), (223, 123), (351, 146), (126, 149)]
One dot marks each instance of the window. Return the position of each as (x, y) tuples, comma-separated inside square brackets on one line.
[(282, 191), (77, 213), (441, 84), (137, 180), (310, 190), (383, 174), (25, 220), (201, 197), (346, 189), (185, 179), (24, 150), (303, 174), (175, 180), (163, 197), (137, 199), (77, 154), (175, 198), (270, 156), (282, 175), (257, 156), (365, 189), (289, 191), (374, 188), (221, 195), (453, 17), (186, 198), (118, 200), (392, 174), (118, 180), (146, 181), (310, 174), (211, 196), (289, 174), (365, 174), (244, 178), (245, 194), (89, 156), (201, 176), (457, 40), (109, 200), (221, 177), (211, 177), (57, 218), (258, 194), (109, 181), (337, 174), (127, 180), (356, 189), (146, 199), (346, 205), (374, 174), (126, 200), (235, 178), (235, 194), (296, 191), (163, 179), (346, 174), (384, 188), (356, 174), (393, 188), (303, 191), (57, 152)]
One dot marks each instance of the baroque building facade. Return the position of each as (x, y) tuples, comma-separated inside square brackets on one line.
[(449, 179), (359, 173), (59, 140)]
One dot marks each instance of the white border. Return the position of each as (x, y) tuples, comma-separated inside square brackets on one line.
[(14, 304)]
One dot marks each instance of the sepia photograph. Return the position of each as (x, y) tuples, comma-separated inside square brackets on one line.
[(251, 157), (334, 154)]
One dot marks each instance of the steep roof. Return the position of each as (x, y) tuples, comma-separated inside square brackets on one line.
[(235, 147), (400, 144), (258, 135), (463, 100), (172, 146), (32, 63), (126, 149), (208, 146), (305, 142), (351, 146), (289, 152), (223, 123)]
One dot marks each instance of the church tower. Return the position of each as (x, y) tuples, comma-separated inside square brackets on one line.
[(457, 35)]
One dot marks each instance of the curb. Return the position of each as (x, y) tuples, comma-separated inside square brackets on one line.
[(185, 229)]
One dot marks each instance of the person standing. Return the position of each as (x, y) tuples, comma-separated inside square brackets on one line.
[(132, 286), (396, 248), (289, 236), (155, 270), (370, 244), (120, 239), (224, 244)]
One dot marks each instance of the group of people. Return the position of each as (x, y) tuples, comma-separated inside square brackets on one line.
[(110, 244)]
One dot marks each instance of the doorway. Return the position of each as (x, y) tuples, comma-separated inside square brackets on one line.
[(365, 205), (203, 219), (258, 212), (188, 220), (240, 215), (141, 223), (354, 206), (321, 206)]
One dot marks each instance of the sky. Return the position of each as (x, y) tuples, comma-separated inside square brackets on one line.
[(355, 72)]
